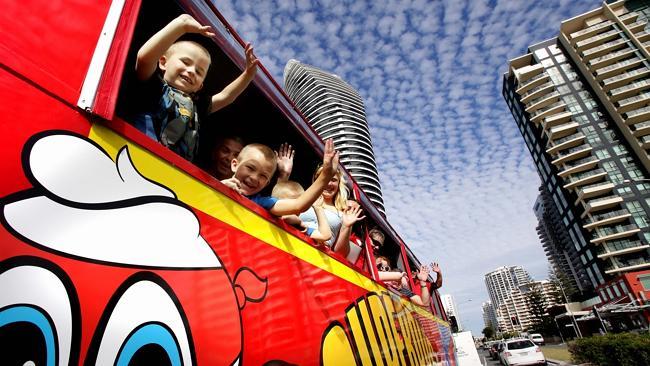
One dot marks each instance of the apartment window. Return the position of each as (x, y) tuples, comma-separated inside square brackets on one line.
[(591, 277), (601, 280), (645, 282), (620, 149), (577, 230), (589, 255), (574, 240), (583, 259), (554, 50), (602, 154), (623, 287), (547, 63), (610, 293), (643, 187), (541, 53), (569, 214), (624, 190), (641, 220)]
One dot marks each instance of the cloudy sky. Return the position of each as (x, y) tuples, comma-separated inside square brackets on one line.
[(457, 179)]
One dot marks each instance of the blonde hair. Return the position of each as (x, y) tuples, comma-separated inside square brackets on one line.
[(287, 189), (199, 46), (341, 197)]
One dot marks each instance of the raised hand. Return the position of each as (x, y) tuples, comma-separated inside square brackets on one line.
[(423, 273), (190, 25), (251, 59), (285, 161), (435, 267), (330, 158), (233, 183), (351, 215)]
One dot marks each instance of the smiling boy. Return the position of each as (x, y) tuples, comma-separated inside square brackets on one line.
[(173, 117), (254, 167)]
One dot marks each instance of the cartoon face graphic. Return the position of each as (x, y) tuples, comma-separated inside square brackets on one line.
[(100, 265)]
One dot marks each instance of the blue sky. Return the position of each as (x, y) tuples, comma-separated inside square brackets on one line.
[(457, 179)]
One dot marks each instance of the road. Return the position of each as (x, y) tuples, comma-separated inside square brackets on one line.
[(487, 360)]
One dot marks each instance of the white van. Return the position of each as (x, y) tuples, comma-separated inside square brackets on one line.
[(537, 338)]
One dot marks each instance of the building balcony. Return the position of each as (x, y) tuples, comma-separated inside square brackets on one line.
[(562, 130), (542, 101), (527, 73), (596, 40), (600, 204), (603, 49), (632, 103), (610, 58), (638, 115), (641, 129), (556, 119), (565, 143), (589, 31), (645, 142), (628, 17), (585, 178), (629, 90), (594, 190), (607, 218), (612, 233), (578, 166), (547, 111), (634, 246), (617, 68), (533, 82), (537, 92), (625, 78), (572, 154), (637, 26), (626, 265)]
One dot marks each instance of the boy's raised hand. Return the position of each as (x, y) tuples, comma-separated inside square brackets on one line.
[(190, 25), (251, 59), (330, 159), (285, 161)]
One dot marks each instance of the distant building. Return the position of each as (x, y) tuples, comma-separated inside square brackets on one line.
[(489, 315), (335, 110), (450, 307), (582, 104), (509, 303)]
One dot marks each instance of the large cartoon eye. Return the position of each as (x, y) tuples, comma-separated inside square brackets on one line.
[(35, 317), (144, 327)]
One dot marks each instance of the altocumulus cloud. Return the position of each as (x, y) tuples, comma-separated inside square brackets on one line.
[(458, 182)]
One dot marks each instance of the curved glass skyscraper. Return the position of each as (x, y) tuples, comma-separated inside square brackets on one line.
[(335, 110)]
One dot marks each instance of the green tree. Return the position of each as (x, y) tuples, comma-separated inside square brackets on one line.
[(541, 321), (488, 332), (561, 284)]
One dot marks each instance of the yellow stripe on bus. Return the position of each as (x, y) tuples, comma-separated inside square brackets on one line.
[(208, 200)]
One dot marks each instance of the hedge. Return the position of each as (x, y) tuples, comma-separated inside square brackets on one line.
[(625, 349)]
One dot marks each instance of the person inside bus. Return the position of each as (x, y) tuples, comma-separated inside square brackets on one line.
[(227, 148), (173, 70), (224, 150), (254, 167), (340, 216), (288, 189), (398, 280)]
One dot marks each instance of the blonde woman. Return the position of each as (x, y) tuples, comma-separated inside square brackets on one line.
[(340, 215)]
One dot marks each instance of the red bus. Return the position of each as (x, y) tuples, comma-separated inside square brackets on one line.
[(115, 250)]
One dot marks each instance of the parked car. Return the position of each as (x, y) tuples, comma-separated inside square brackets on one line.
[(521, 352), (537, 339), (494, 350)]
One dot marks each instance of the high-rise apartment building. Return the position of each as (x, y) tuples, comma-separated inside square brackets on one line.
[(582, 104), (509, 303), (489, 315), (450, 307), (335, 110), (557, 244)]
